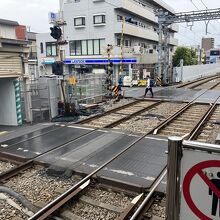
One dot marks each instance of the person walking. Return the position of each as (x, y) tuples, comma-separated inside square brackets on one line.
[(149, 87)]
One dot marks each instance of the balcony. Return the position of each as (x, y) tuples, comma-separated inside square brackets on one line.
[(135, 7), (173, 42), (145, 11), (138, 31)]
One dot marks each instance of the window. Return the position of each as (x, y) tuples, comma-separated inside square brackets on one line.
[(119, 18), (99, 19), (127, 43), (90, 47), (87, 47), (72, 48), (51, 49), (78, 47), (102, 45), (41, 48), (81, 21), (118, 42), (96, 47), (84, 47)]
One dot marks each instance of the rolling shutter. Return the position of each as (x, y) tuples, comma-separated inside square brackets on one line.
[(10, 65)]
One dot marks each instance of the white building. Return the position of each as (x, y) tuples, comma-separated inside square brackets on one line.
[(93, 24)]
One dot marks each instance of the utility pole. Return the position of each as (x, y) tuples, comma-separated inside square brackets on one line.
[(121, 50), (165, 19)]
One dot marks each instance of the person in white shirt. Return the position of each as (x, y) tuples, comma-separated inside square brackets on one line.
[(149, 87)]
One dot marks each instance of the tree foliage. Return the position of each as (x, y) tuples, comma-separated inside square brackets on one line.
[(188, 55)]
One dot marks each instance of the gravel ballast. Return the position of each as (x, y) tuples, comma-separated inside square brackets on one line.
[(150, 119), (6, 166)]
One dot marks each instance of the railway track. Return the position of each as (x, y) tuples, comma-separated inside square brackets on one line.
[(212, 84), (6, 166), (112, 118), (217, 87), (209, 128), (198, 82), (81, 185), (149, 119), (35, 185), (96, 203), (91, 198), (184, 122)]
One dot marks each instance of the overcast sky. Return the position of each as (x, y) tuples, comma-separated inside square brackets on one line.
[(34, 13)]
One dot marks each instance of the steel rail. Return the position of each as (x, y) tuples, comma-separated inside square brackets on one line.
[(203, 82), (62, 127), (155, 130), (196, 131), (113, 124), (58, 202), (197, 80), (6, 175), (215, 85), (107, 112), (31, 162), (149, 195)]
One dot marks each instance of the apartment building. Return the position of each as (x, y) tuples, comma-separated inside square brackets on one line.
[(94, 24), (208, 43)]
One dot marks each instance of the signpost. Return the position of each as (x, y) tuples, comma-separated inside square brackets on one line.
[(52, 17), (200, 180)]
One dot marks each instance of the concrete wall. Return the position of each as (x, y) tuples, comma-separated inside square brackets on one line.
[(189, 73), (8, 115)]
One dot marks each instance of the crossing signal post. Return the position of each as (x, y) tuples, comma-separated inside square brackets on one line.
[(56, 32), (57, 68), (109, 71)]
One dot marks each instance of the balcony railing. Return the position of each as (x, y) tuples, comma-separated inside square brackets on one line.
[(143, 4), (148, 32)]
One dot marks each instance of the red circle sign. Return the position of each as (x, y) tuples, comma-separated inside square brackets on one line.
[(197, 169)]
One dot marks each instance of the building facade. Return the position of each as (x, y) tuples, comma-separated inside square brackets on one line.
[(13, 67), (208, 44), (130, 26)]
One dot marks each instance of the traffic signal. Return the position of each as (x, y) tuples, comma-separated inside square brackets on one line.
[(57, 68), (56, 32)]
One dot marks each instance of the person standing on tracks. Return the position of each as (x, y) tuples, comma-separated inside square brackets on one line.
[(150, 84)]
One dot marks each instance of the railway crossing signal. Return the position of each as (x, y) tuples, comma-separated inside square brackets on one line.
[(57, 68), (56, 32)]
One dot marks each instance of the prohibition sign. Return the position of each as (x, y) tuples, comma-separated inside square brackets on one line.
[(197, 170)]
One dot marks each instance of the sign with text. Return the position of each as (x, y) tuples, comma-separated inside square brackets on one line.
[(52, 17), (200, 181)]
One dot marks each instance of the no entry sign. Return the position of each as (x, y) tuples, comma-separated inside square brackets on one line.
[(200, 197)]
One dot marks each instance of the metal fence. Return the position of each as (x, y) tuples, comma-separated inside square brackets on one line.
[(90, 88), (39, 99)]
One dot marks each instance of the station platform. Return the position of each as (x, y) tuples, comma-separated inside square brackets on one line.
[(174, 94), (84, 149)]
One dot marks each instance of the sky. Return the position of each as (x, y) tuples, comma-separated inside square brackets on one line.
[(34, 13)]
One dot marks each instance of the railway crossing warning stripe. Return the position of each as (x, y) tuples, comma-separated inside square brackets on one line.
[(197, 170)]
